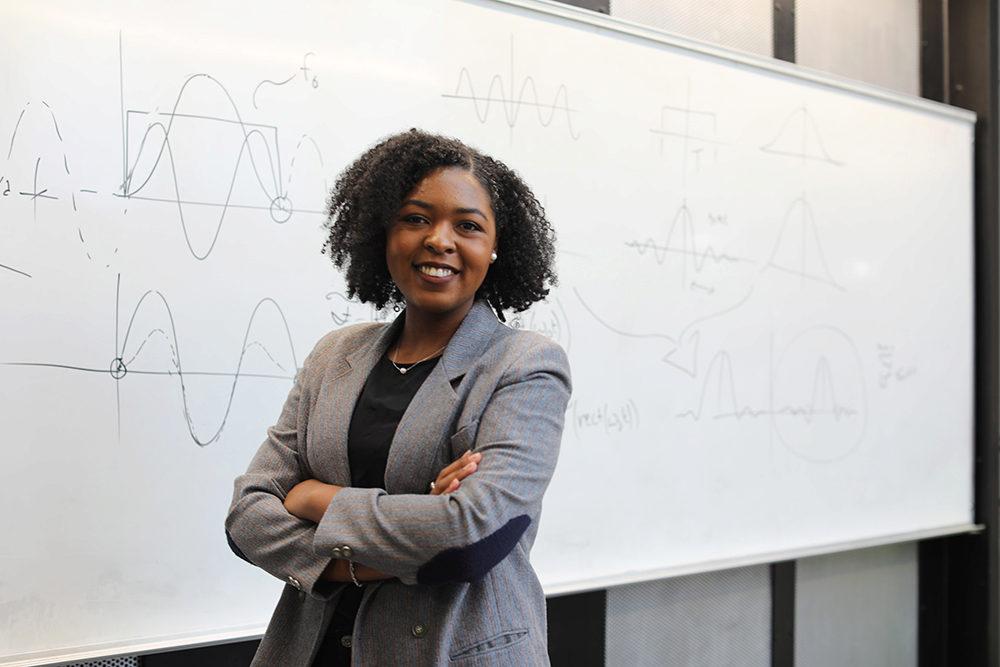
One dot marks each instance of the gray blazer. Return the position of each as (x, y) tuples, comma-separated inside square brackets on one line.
[(465, 592)]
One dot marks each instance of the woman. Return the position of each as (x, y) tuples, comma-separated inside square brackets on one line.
[(398, 495)]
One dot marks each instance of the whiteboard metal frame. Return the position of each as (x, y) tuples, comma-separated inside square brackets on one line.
[(610, 23), (766, 558)]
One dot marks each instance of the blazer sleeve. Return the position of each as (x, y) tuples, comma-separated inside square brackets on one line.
[(258, 527), (460, 536)]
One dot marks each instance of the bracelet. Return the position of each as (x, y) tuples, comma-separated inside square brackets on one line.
[(350, 567)]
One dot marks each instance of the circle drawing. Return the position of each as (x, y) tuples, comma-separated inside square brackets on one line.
[(118, 369), (281, 209), (820, 406)]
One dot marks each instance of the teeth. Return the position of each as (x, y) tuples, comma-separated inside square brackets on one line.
[(435, 271)]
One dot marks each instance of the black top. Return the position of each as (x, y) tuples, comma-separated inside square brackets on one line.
[(381, 405)]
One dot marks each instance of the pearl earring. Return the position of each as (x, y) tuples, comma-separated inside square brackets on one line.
[(493, 257)]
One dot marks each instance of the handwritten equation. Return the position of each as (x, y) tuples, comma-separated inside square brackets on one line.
[(603, 417)]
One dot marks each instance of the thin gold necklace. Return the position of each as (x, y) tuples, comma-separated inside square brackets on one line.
[(402, 371)]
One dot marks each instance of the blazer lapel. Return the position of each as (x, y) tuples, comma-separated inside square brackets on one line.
[(428, 419), (342, 385)]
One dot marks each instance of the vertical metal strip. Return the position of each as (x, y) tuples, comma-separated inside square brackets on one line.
[(783, 614), (934, 50), (577, 629), (784, 30), (959, 584)]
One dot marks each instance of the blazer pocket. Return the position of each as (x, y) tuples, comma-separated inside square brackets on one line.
[(464, 439), (492, 644)]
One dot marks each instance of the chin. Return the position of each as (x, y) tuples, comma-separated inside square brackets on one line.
[(437, 303)]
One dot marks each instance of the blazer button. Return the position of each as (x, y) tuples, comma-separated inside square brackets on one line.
[(418, 630), (345, 551), (295, 583), (345, 641)]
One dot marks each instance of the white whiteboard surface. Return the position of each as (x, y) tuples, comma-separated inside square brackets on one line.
[(766, 291)]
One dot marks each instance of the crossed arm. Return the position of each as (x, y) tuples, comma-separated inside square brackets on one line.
[(309, 499), (457, 534)]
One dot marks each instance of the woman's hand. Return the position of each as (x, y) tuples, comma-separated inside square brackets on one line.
[(339, 570), (450, 477), (309, 499)]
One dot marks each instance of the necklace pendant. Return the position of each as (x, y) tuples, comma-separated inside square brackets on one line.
[(402, 371)]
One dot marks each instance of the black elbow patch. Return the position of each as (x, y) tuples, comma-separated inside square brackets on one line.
[(236, 549), (471, 563)]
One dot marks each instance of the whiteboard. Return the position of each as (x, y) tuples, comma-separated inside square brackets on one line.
[(766, 291)]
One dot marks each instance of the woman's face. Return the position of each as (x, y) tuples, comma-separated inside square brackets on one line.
[(439, 243)]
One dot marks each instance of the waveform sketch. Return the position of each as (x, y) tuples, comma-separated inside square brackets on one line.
[(819, 404), (307, 75), (271, 83), (164, 153), (134, 344), (501, 92), (718, 396), (37, 139), (49, 134), (50, 116), (346, 310), (683, 242), (798, 249), (547, 317), (799, 137), (309, 145)]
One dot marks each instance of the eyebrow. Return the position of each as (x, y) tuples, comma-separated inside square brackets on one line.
[(430, 207)]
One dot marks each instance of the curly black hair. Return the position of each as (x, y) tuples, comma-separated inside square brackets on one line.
[(368, 194)]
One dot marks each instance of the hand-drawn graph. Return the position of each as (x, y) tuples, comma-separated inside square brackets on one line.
[(345, 310), (798, 249), (696, 130), (816, 401), (718, 398), (819, 401), (799, 137), (131, 346), (38, 140), (691, 255), (501, 92), (162, 151)]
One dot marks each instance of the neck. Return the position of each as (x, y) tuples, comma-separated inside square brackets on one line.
[(425, 333)]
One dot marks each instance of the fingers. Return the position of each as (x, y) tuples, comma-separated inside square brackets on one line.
[(449, 479), (460, 463)]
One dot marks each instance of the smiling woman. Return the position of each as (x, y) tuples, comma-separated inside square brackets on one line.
[(441, 244), (398, 495)]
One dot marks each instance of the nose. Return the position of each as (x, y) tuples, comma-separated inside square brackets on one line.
[(439, 239)]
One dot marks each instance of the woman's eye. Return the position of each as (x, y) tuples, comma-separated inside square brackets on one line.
[(416, 219), (469, 226)]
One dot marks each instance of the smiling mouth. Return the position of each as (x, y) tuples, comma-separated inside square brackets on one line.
[(436, 271)]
